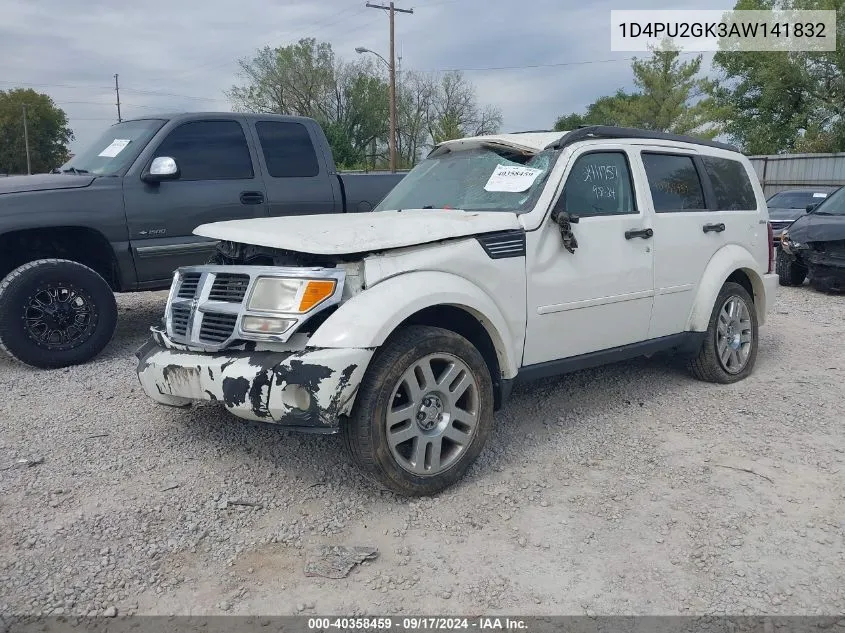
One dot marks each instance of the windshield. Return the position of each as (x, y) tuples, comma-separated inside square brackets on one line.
[(795, 199), (115, 149), (487, 178), (834, 204)]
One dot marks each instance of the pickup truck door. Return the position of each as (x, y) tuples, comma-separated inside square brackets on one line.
[(218, 182), (600, 296), (295, 170)]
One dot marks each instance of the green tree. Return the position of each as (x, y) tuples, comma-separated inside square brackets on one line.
[(350, 100), (669, 97), (455, 111), (47, 127), (773, 102)]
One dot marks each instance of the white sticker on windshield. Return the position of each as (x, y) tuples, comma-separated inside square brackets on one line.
[(117, 146), (512, 178), (820, 195)]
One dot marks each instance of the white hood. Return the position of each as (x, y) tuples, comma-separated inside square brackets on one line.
[(340, 234)]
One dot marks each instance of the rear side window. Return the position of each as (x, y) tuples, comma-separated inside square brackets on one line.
[(674, 182), (288, 150), (730, 184), (209, 150)]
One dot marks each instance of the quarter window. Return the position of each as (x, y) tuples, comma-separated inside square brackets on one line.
[(730, 184), (599, 184), (674, 182), (209, 150)]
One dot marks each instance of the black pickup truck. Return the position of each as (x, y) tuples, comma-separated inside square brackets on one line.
[(119, 217)]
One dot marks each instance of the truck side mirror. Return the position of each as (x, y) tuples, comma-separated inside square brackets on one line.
[(564, 220), (162, 168)]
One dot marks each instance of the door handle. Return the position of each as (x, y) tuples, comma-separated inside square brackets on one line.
[(718, 228), (252, 197), (643, 233)]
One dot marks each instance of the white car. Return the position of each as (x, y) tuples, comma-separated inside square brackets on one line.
[(497, 259)]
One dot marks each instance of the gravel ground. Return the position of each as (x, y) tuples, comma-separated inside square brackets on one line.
[(628, 489)]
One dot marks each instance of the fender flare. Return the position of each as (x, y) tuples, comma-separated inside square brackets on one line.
[(367, 319), (723, 264)]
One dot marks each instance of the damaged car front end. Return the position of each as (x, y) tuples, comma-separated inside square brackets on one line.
[(237, 335), (814, 247)]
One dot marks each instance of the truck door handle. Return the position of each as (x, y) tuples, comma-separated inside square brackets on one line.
[(643, 233), (252, 197), (718, 228)]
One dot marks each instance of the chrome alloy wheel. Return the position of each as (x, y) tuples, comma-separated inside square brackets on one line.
[(734, 336), (433, 414)]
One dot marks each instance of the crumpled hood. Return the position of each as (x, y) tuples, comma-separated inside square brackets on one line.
[(43, 182), (340, 234)]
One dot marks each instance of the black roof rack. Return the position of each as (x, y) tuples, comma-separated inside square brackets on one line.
[(612, 131), (530, 132)]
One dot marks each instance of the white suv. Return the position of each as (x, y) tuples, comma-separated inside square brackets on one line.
[(497, 259)]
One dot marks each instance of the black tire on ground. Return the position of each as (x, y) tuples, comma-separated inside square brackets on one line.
[(707, 365), (365, 432), (790, 272), (55, 313)]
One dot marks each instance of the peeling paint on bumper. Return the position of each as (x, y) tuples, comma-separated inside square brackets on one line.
[(307, 388)]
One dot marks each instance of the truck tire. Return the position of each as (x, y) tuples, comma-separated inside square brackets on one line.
[(423, 412), (790, 272), (730, 345), (55, 313)]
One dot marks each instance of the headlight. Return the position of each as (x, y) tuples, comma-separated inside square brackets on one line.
[(290, 296)]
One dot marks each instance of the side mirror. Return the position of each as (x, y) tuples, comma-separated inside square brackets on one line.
[(564, 220), (162, 168), (810, 207)]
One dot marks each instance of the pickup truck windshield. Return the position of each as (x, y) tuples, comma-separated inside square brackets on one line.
[(115, 149), (834, 204), (487, 178)]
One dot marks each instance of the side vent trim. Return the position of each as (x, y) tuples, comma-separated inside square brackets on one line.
[(503, 244)]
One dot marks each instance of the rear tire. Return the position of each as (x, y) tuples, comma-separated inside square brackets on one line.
[(423, 412), (729, 350), (790, 272), (55, 313)]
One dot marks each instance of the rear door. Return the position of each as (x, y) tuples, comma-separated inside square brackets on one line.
[(297, 181), (701, 203), (218, 182)]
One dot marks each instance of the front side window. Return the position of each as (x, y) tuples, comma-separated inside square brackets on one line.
[(209, 150), (730, 184), (674, 183), (599, 184), (487, 178)]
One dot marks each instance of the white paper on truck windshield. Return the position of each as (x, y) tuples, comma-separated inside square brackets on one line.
[(117, 146), (512, 178)]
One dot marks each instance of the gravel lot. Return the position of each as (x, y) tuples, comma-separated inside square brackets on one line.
[(618, 490)]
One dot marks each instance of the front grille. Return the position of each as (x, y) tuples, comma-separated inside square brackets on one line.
[(217, 327), (229, 288), (180, 315), (188, 287)]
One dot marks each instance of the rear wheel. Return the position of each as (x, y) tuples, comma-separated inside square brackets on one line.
[(423, 413), (55, 313), (729, 350), (790, 272)]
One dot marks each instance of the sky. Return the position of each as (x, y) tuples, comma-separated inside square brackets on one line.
[(180, 55)]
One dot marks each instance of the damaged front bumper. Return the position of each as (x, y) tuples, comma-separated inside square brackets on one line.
[(308, 388)]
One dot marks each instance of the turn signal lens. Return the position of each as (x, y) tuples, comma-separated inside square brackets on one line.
[(315, 293)]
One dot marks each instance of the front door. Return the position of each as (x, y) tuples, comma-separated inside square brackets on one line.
[(218, 182), (600, 296)]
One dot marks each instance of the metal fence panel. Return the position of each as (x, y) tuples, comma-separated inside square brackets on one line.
[(824, 172)]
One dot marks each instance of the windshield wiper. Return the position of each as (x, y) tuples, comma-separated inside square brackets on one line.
[(72, 170)]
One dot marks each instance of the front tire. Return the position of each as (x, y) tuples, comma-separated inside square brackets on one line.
[(729, 350), (790, 272), (423, 412), (55, 313)]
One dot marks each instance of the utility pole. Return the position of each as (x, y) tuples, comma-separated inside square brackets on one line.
[(26, 142), (117, 91), (391, 9)]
